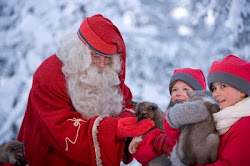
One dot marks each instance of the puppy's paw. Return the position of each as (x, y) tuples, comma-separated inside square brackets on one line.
[(134, 144)]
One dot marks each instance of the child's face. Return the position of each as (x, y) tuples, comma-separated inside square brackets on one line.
[(225, 95), (178, 91)]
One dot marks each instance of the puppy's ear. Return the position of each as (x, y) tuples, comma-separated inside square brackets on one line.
[(208, 105), (152, 107), (189, 93), (133, 102), (15, 147), (213, 108)]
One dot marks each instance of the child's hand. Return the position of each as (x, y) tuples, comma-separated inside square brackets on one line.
[(186, 113)]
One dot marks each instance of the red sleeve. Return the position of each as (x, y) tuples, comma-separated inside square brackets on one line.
[(65, 129), (146, 151), (171, 133), (161, 144)]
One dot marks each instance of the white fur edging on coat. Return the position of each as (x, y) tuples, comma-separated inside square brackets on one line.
[(129, 110), (95, 140)]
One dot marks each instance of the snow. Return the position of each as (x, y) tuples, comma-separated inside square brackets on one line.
[(160, 36), (179, 13)]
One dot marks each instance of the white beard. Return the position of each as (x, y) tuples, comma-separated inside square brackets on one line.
[(93, 91), (96, 92)]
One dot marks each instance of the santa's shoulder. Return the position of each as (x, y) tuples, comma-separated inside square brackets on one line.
[(49, 72)]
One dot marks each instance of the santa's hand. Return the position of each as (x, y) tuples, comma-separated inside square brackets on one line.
[(129, 127), (186, 113)]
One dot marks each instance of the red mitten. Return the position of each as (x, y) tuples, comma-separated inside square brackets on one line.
[(162, 144), (146, 151), (129, 127)]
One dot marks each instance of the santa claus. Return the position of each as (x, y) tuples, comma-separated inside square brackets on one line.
[(78, 111)]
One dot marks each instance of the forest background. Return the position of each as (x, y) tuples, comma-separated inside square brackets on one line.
[(160, 36)]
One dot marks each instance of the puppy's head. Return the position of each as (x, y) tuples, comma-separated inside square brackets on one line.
[(15, 152), (145, 110), (205, 96)]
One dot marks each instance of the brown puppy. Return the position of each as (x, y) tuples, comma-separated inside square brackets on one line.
[(12, 152), (153, 112), (198, 143), (148, 110)]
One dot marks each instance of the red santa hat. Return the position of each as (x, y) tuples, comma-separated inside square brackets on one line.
[(194, 77), (233, 71), (101, 35)]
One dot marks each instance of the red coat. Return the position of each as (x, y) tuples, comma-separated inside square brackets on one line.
[(57, 135), (234, 147)]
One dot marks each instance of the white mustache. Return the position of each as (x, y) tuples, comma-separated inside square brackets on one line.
[(95, 77)]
